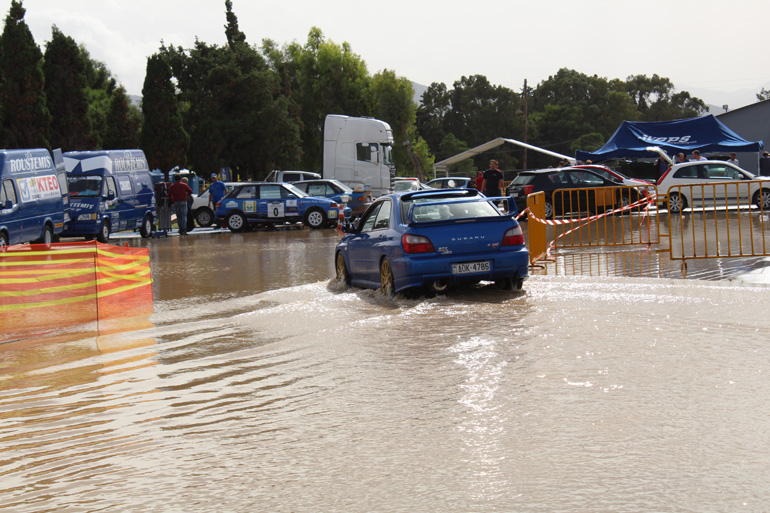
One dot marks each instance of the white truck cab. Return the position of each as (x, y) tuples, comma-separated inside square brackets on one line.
[(358, 152)]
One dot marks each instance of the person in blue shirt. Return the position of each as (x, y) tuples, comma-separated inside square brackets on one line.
[(217, 191)]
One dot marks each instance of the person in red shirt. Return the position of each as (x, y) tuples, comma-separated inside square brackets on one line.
[(178, 193), (479, 180)]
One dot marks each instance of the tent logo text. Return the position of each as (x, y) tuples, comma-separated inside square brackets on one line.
[(684, 139)]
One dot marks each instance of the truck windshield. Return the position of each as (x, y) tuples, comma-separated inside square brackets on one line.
[(387, 154), (85, 185)]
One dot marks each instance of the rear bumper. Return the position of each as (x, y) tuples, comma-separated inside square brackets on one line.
[(423, 270)]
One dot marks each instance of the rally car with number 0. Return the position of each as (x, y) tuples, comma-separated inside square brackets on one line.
[(252, 204)]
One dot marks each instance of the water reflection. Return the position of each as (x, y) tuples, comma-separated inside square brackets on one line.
[(576, 394)]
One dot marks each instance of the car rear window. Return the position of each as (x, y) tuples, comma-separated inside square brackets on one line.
[(440, 209), (523, 179)]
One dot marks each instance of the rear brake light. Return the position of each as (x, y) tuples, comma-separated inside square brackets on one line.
[(416, 244), (527, 190), (513, 237)]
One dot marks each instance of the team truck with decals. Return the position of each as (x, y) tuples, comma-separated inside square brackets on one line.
[(110, 191), (358, 152), (33, 196)]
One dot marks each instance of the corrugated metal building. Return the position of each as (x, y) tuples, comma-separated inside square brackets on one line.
[(751, 122)]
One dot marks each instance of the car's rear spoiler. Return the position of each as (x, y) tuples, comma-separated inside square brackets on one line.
[(475, 199)]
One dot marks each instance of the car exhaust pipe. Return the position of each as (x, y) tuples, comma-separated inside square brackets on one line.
[(440, 285)]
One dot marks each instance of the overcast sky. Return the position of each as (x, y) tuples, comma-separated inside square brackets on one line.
[(713, 48)]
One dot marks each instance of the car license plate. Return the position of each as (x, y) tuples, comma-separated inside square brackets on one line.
[(471, 267), (332, 214)]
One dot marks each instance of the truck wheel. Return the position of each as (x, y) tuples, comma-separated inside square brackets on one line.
[(204, 217), (146, 228), (315, 218), (3, 240), (235, 221), (104, 233)]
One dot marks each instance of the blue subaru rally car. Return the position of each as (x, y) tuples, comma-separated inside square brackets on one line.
[(268, 203), (432, 239)]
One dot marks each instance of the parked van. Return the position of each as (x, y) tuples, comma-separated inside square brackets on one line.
[(110, 191), (33, 196)]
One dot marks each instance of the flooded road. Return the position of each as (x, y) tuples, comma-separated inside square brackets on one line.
[(258, 385)]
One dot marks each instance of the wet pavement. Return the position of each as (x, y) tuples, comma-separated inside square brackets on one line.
[(258, 384)]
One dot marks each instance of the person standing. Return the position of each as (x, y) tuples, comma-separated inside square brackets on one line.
[(696, 156), (190, 201), (733, 160), (679, 158), (492, 181), (479, 180), (217, 191), (661, 165), (764, 164), (178, 193)]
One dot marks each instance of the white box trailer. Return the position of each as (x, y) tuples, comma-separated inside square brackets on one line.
[(359, 152)]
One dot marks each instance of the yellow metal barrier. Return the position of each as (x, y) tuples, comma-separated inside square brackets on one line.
[(718, 220), (604, 216), (538, 242)]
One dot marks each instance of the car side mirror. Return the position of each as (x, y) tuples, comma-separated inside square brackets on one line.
[(110, 195), (8, 205)]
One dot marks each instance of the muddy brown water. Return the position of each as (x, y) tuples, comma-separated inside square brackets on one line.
[(258, 385)]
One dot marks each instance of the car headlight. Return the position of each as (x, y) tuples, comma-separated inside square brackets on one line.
[(87, 217)]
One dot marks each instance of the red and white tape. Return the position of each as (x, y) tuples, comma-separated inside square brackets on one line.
[(585, 221)]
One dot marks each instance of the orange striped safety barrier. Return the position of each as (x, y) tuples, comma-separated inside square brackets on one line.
[(49, 287)]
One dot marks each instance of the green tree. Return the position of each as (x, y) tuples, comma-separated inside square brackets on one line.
[(392, 99), (319, 78), (100, 85), (482, 112), (656, 100), (233, 104), (473, 111), (164, 140), (122, 123), (570, 104), (66, 92), (424, 156), (451, 146), (26, 119), (234, 35), (430, 116)]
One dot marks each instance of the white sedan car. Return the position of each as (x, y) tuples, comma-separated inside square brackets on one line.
[(202, 213), (713, 183)]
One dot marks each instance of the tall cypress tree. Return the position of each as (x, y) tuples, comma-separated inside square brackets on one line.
[(164, 140), (65, 88), (123, 122), (26, 119)]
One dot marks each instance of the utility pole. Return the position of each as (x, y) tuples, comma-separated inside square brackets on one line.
[(524, 160)]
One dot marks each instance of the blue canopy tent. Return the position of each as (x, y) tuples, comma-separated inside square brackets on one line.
[(705, 133)]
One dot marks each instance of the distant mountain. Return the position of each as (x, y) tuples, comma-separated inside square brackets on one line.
[(418, 90), (716, 100), (135, 100)]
